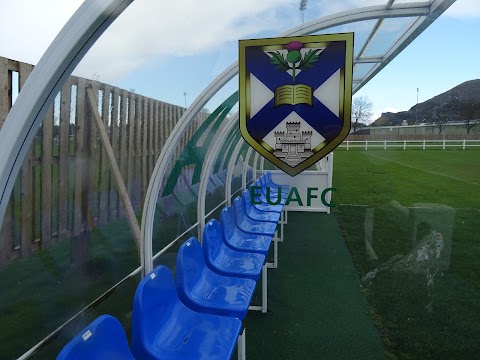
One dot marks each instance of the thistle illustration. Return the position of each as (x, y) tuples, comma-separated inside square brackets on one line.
[(294, 56)]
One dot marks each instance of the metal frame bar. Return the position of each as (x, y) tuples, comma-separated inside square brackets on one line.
[(242, 349), (264, 307), (231, 166), (255, 161), (245, 167), (208, 164)]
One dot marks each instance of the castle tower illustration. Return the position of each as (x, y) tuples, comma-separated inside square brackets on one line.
[(293, 145)]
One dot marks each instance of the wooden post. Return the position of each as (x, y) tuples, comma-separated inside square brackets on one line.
[(144, 149), (63, 170), (131, 143), (424, 144), (163, 125), (404, 144), (464, 143), (5, 78), (104, 167), (138, 152), (132, 221), (26, 181), (151, 145), (156, 118), (94, 164), (6, 233), (81, 162), (123, 143), (114, 136)]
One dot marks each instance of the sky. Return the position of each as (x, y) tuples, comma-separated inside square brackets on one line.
[(171, 50)]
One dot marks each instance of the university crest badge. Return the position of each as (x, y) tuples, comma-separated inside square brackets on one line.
[(295, 97)]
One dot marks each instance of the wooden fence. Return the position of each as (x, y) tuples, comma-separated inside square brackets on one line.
[(65, 186)]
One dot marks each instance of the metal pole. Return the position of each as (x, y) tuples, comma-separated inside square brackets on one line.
[(416, 109)]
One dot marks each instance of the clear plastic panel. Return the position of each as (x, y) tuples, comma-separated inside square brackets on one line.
[(65, 237), (361, 70), (216, 185), (362, 30), (177, 202), (386, 36)]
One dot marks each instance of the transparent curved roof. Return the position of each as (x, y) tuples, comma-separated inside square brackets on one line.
[(383, 36)]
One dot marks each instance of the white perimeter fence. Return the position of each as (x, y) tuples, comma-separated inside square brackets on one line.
[(410, 144)]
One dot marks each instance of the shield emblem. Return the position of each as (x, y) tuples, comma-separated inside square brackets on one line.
[(295, 97)]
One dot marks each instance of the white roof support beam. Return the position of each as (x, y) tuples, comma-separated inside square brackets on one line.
[(369, 60)]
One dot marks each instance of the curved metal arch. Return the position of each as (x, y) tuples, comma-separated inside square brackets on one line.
[(68, 48), (350, 16), (245, 167), (208, 164), (255, 162), (231, 166)]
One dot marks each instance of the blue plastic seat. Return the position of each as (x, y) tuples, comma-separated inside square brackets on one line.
[(248, 225), (262, 195), (264, 205), (274, 190), (240, 240), (256, 214), (164, 328), (226, 261), (269, 181), (205, 291), (102, 339)]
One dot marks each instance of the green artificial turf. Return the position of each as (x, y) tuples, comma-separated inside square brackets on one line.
[(428, 308), (316, 309)]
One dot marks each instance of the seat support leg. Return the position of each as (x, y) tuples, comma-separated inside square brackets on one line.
[(274, 265), (264, 307), (264, 288), (242, 351)]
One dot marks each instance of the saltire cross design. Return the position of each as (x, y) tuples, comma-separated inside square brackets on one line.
[(290, 113)]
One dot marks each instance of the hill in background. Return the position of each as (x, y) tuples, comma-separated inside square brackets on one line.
[(457, 104)]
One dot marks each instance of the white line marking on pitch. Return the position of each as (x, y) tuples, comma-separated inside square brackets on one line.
[(427, 171)]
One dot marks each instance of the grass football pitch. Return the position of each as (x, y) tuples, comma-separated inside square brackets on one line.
[(411, 219)]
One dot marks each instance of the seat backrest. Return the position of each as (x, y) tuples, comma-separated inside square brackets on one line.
[(239, 209), (212, 240), (190, 262), (263, 181), (104, 338), (268, 176), (256, 183), (227, 222), (152, 306), (247, 201)]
